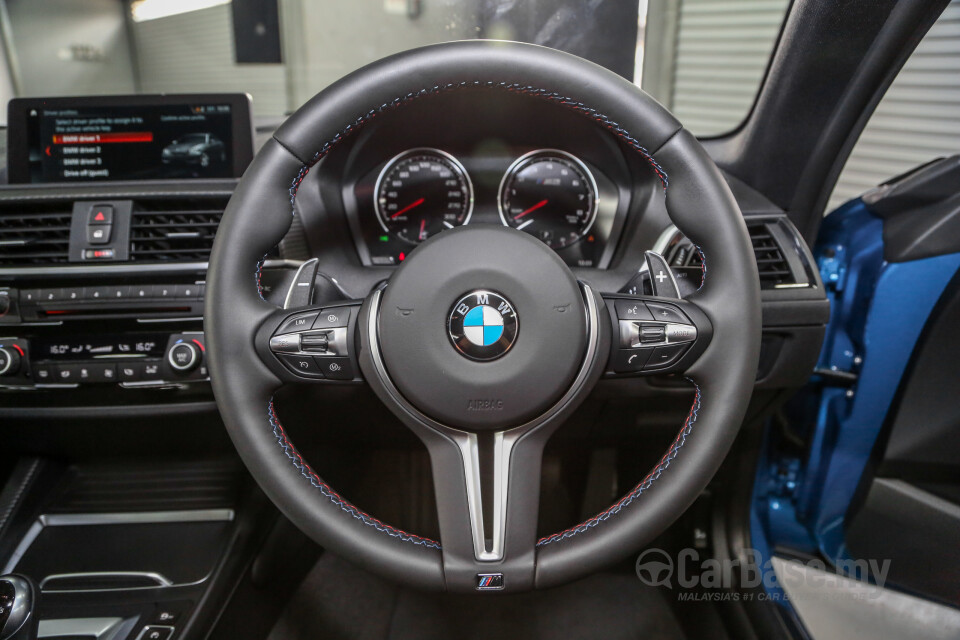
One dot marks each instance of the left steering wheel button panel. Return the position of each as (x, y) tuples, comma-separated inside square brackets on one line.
[(316, 344)]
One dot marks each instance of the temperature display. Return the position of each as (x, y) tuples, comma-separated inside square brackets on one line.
[(99, 346)]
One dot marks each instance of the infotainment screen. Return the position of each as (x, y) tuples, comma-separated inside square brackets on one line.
[(120, 138)]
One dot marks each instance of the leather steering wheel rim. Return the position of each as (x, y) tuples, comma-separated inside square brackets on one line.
[(698, 201)]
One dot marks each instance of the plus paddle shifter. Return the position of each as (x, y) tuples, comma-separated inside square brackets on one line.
[(18, 599)]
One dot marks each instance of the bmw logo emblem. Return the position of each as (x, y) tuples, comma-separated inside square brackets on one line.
[(482, 325)]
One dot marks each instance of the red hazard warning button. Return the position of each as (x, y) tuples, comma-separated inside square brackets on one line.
[(101, 214)]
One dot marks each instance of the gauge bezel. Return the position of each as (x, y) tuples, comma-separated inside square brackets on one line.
[(516, 164), (392, 162)]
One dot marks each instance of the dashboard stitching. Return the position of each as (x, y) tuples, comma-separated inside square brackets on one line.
[(553, 96), (644, 484), (307, 472)]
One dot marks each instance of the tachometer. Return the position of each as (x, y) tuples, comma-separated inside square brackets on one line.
[(421, 192), (551, 195)]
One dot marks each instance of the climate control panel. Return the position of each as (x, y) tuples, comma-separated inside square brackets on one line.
[(141, 360)]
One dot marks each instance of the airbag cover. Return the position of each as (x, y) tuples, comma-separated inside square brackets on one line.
[(450, 387)]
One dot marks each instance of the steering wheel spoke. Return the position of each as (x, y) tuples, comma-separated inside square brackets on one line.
[(487, 491), (655, 335), (314, 344)]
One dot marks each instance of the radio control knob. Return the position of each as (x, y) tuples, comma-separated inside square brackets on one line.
[(9, 361), (184, 357)]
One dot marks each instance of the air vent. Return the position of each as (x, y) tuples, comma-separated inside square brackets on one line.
[(179, 230), (773, 267), (35, 234), (772, 264)]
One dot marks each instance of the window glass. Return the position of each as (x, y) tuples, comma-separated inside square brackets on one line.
[(94, 47), (917, 120), (705, 59), (702, 58)]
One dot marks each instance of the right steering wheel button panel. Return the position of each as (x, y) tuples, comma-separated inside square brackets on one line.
[(653, 336)]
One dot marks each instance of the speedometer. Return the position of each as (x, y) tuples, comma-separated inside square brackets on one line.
[(421, 192), (551, 195)]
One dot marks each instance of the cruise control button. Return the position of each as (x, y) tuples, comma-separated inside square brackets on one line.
[(315, 342), (631, 360), (301, 365), (631, 310), (336, 368), (299, 322), (667, 313), (330, 318), (287, 343), (665, 356)]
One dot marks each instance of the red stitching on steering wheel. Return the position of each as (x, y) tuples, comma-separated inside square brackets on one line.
[(644, 484), (608, 124), (307, 472)]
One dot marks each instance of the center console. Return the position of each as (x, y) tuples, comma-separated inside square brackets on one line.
[(105, 229), (126, 506), (80, 335)]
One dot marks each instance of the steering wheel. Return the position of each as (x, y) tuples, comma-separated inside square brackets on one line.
[(451, 342)]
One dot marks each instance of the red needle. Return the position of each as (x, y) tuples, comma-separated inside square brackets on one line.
[(416, 203), (533, 208), (423, 225)]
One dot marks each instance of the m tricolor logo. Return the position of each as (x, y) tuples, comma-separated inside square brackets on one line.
[(489, 581)]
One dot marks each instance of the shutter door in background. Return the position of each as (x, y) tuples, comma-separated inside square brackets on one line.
[(193, 53), (917, 120), (722, 50)]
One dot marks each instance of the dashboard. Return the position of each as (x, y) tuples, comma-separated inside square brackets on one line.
[(102, 282)]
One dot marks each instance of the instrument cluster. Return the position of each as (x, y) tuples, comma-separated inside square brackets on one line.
[(551, 194)]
